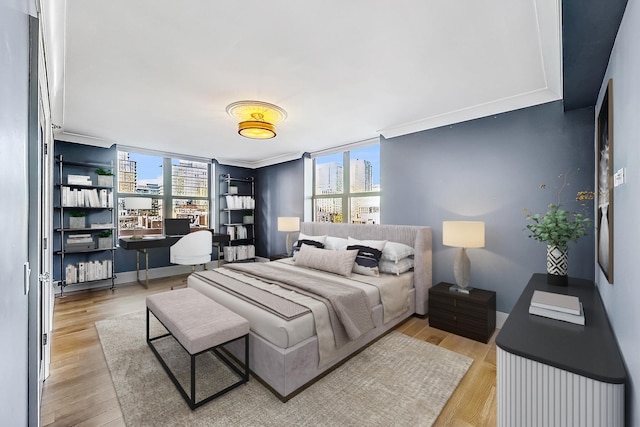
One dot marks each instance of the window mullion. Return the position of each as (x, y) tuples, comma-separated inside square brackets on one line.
[(346, 187), (167, 176)]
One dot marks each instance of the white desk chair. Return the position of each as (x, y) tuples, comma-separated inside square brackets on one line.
[(192, 249)]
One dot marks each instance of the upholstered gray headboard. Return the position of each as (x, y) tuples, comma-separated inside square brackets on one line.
[(419, 237)]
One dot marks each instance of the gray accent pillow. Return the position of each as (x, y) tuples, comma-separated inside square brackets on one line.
[(303, 239), (337, 262)]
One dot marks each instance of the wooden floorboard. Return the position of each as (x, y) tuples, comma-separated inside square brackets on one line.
[(79, 390)]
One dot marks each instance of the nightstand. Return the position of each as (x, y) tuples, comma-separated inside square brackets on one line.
[(470, 315)]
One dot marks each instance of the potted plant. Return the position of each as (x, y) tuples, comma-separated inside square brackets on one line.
[(77, 219), (104, 240), (557, 227), (105, 177)]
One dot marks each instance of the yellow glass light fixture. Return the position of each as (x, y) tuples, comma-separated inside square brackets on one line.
[(256, 118)]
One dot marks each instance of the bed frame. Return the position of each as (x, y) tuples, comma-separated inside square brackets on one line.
[(286, 371)]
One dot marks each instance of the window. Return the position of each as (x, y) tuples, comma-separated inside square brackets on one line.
[(153, 187), (190, 190), (347, 186)]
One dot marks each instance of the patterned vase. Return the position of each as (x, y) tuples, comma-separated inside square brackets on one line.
[(557, 265)]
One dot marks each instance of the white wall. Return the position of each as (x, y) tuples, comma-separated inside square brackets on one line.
[(14, 96), (622, 298)]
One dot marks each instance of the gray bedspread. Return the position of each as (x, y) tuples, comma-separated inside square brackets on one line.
[(349, 308)]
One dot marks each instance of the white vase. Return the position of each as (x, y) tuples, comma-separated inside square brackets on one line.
[(105, 180), (105, 243), (557, 265), (77, 222)]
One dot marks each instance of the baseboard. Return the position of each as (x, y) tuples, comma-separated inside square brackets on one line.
[(501, 318), (125, 277)]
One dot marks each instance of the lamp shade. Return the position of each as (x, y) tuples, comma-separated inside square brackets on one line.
[(288, 223), (463, 234), (137, 203)]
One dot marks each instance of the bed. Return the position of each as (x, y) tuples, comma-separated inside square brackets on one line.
[(289, 331)]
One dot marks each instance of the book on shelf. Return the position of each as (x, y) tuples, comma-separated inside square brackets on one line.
[(102, 225), (86, 197), (79, 180), (79, 239), (557, 302), (559, 315)]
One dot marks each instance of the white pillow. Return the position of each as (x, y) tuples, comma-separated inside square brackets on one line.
[(394, 251), (396, 267), (337, 262), (369, 253), (335, 243)]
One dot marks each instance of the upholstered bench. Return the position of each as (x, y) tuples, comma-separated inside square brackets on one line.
[(199, 324)]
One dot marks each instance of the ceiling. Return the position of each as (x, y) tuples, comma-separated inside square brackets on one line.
[(159, 74)]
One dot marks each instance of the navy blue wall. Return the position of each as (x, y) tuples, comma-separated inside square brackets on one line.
[(280, 192), (489, 170)]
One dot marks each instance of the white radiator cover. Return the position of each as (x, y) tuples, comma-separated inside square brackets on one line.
[(534, 394)]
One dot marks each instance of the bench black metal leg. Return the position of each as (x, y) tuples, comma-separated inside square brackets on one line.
[(191, 400), (193, 381)]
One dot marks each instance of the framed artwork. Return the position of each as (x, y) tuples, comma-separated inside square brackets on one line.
[(605, 183)]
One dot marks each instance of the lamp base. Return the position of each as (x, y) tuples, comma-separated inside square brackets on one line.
[(456, 288), (462, 269), (289, 245)]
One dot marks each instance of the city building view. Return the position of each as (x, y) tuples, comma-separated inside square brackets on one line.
[(142, 175)]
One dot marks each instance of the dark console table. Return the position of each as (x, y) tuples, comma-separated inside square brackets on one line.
[(557, 373)]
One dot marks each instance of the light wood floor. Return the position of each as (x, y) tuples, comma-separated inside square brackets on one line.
[(79, 391)]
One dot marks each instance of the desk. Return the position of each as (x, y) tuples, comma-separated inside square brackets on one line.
[(150, 242), (556, 373)]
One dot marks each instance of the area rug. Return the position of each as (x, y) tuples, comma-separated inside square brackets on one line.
[(398, 380)]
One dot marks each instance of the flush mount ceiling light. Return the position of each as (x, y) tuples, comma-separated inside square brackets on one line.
[(256, 118)]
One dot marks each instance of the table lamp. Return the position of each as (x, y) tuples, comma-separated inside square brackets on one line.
[(289, 224), (137, 204), (463, 235)]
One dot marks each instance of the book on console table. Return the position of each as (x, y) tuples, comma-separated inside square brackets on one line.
[(557, 302), (578, 319)]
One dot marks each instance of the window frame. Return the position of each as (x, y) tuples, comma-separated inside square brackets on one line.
[(167, 198), (346, 196)]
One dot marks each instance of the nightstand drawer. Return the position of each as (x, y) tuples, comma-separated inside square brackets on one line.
[(458, 320), (470, 315), (457, 305)]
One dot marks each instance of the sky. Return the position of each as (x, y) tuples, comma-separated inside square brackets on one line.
[(149, 168), (370, 153)]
